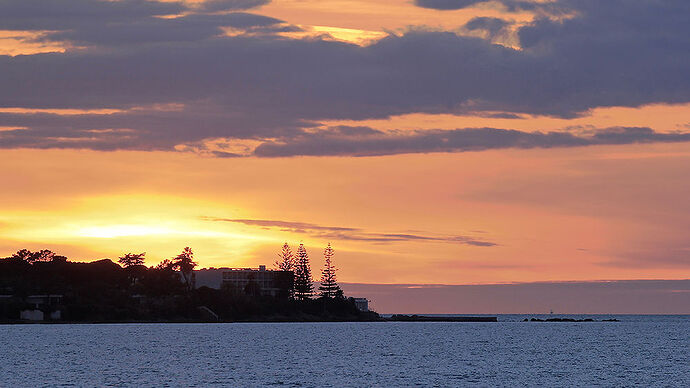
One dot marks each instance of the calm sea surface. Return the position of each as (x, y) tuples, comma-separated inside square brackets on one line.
[(639, 350)]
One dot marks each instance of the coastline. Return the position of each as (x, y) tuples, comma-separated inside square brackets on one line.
[(312, 319)]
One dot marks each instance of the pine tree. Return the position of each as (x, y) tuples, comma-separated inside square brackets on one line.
[(286, 260), (329, 287), (304, 287), (285, 281)]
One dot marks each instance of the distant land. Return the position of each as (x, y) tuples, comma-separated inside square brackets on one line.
[(44, 287)]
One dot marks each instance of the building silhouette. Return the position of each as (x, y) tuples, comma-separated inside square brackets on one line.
[(253, 281)]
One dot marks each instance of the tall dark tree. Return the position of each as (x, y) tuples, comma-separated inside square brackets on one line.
[(134, 264), (304, 287), (329, 286), (286, 259), (285, 280), (132, 259), (184, 262)]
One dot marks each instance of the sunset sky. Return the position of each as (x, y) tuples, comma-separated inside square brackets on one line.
[(429, 141)]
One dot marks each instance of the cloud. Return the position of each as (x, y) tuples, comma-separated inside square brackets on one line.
[(261, 86), (90, 14), (458, 140), (127, 22), (293, 226), (68, 14), (141, 128), (226, 5), (193, 27), (493, 26), (447, 4), (352, 234), (555, 7), (274, 136)]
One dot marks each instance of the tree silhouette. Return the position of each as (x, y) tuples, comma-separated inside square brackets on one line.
[(102, 290), (286, 261), (329, 287), (132, 259), (285, 280), (44, 255), (304, 287), (23, 255), (165, 264), (161, 279), (184, 262), (134, 264)]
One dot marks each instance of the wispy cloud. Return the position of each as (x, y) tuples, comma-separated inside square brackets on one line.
[(458, 140), (353, 234)]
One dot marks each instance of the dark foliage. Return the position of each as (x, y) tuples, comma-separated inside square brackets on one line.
[(103, 291), (329, 286), (304, 284)]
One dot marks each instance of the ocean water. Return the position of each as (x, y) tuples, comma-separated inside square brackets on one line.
[(638, 351)]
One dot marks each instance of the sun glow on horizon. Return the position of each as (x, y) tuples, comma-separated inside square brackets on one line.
[(113, 231), (111, 225)]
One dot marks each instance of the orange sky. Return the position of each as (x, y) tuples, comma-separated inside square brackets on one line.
[(506, 215), (575, 214)]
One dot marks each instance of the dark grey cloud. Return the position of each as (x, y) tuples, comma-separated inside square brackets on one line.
[(141, 129), (77, 14), (260, 85), (150, 129), (187, 28), (553, 8), (353, 234), (447, 4), (458, 140), (227, 5), (127, 22), (68, 14), (354, 131), (493, 26)]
